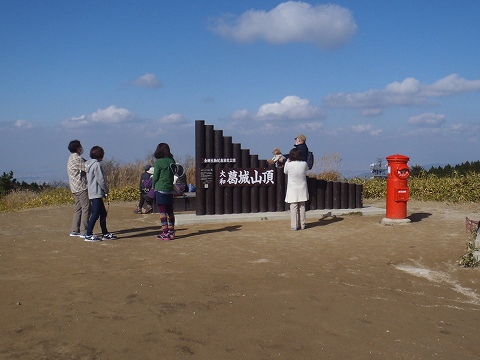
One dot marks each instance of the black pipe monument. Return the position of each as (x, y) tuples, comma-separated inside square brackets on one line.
[(230, 180)]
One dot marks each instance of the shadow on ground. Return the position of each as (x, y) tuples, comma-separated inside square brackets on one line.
[(155, 230), (417, 217)]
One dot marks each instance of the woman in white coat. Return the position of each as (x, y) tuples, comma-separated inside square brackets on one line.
[(297, 191)]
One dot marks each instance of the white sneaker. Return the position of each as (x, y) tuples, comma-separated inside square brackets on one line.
[(109, 236), (92, 238)]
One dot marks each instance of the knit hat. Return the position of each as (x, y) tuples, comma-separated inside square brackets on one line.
[(147, 166)]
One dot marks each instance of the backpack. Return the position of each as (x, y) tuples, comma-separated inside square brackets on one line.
[(177, 169), (179, 176), (148, 187), (179, 189), (310, 160), (147, 184)]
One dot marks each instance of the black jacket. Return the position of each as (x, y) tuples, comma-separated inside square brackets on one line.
[(304, 149)]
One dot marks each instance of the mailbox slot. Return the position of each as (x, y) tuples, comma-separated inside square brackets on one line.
[(402, 194)]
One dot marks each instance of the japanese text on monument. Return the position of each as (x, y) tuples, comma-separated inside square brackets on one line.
[(246, 177)]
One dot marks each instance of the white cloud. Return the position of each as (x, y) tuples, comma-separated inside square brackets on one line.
[(311, 126), (409, 92), (427, 120), (110, 115), (289, 108), (365, 128), (328, 26), (172, 119), (148, 81), (23, 124), (451, 85), (241, 114), (408, 86), (167, 124), (458, 127), (75, 122), (361, 128), (270, 127)]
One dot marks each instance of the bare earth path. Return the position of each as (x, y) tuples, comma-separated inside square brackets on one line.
[(344, 288)]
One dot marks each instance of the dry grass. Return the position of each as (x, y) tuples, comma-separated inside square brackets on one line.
[(16, 200), (330, 176), (122, 175), (125, 175), (329, 165)]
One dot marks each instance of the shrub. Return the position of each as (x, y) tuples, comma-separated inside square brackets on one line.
[(25, 199), (7, 182), (50, 197), (372, 188), (458, 188), (127, 193), (470, 259), (329, 176)]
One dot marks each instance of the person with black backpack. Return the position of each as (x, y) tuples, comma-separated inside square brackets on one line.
[(307, 155), (145, 186), (300, 143)]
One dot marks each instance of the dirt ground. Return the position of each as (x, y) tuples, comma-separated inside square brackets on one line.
[(346, 287)]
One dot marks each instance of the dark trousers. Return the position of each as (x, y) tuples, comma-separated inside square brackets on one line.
[(144, 198), (98, 211)]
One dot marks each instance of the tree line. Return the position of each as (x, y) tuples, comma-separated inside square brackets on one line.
[(9, 183), (447, 170)]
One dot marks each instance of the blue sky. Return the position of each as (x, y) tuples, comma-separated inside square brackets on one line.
[(363, 79)]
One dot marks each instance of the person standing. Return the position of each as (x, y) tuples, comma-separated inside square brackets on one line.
[(301, 144), (97, 190), (163, 176), (77, 179), (297, 191)]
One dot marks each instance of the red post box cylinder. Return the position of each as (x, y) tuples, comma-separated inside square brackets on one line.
[(398, 192)]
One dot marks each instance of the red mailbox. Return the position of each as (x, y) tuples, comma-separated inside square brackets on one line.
[(397, 186)]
